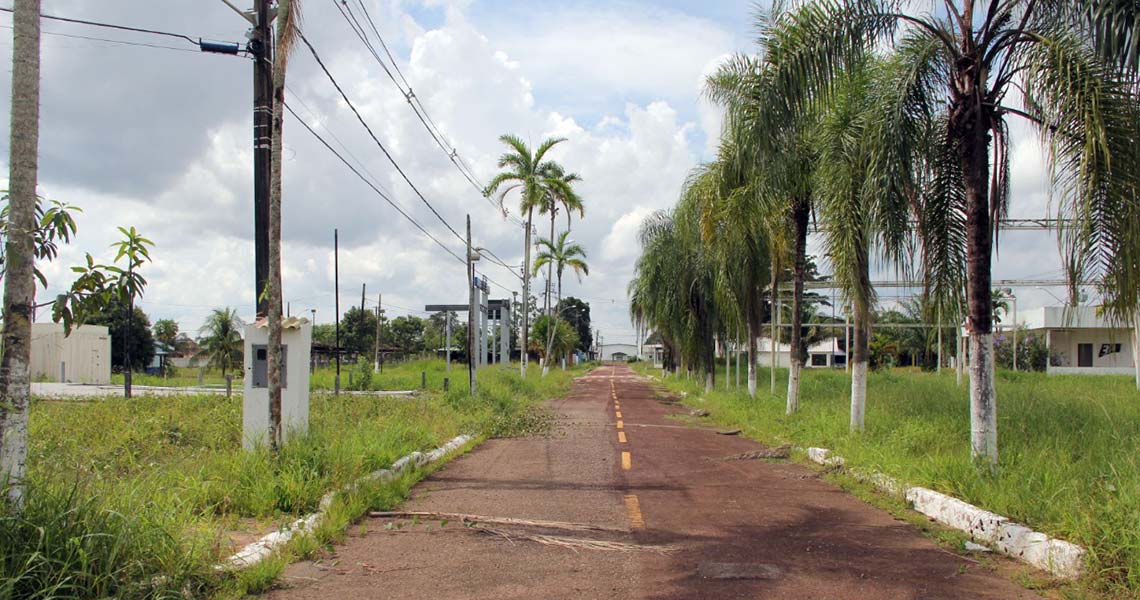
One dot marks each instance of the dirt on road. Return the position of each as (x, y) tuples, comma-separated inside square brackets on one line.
[(670, 520)]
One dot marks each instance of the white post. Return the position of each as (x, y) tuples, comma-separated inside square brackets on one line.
[(1014, 298)]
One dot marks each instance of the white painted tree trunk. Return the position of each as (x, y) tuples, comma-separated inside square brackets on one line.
[(1136, 351), (960, 358), (19, 281), (858, 395), (983, 399), (793, 403)]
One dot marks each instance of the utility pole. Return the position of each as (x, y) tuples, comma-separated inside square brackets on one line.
[(379, 312), (471, 316), (363, 287), (261, 44), (336, 292)]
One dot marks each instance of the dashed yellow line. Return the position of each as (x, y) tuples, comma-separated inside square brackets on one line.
[(618, 413), (626, 461), (621, 437), (633, 508), (620, 424)]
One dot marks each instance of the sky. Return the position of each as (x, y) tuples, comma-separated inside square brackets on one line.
[(160, 139)]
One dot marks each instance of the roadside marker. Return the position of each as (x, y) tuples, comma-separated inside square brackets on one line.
[(626, 461), (621, 437), (633, 508)]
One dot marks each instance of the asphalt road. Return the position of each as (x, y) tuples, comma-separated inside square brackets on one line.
[(673, 519)]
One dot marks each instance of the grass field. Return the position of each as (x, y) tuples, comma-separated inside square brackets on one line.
[(139, 498), (1070, 447), (182, 377)]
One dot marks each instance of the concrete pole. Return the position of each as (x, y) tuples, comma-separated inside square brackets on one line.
[(482, 322), (1014, 298), (939, 369), (447, 340), (471, 317), (505, 334)]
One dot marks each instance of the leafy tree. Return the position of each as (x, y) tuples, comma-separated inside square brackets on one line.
[(407, 333), (560, 338), (325, 333), (435, 330), (140, 341), (358, 331), (536, 179), (949, 125), (220, 339), (165, 332), (577, 313)]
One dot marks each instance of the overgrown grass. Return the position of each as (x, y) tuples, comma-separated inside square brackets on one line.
[(182, 377), (1070, 447), (138, 498), (395, 376)]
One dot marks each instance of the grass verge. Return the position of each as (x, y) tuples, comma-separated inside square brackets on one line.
[(141, 498), (1070, 448)]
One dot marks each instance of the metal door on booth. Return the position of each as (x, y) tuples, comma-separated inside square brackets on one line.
[(1084, 355)]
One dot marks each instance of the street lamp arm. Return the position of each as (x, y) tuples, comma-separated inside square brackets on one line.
[(248, 16)]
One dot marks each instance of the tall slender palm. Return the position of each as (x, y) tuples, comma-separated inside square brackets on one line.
[(559, 255), (220, 339), (533, 176), (858, 209), (961, 64), (570, 201), (288, 23), (768, 142), (19, 280)]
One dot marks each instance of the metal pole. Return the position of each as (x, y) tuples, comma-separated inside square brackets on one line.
[(447, 342), (471, 317), (379, 313), (261, 43), (1014, 298), (505, 334), (336, 291)]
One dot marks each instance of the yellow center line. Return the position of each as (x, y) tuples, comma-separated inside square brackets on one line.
[(621, 437), (633, 508), (617, 413), (626, 461), (620, 424)]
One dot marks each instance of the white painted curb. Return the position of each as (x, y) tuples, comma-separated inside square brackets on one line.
[(1058, 557), (262, 548)]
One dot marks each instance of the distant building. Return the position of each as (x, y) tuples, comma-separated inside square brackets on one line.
[(1083, 341), (822, 354), (82, 357), (617, 352)]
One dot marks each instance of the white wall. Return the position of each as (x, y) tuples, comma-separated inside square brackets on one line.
[(1064, 344), (85, 354)]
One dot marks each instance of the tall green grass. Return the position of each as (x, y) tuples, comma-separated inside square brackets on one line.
[(137, 498), (1070, 447)]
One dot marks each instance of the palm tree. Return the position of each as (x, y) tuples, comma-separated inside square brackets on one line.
[(960, 65), (288, 21), (856, 210), (220, 339), (570, 201), (559, 255), (19, 280), (535, 178), (767, 140)]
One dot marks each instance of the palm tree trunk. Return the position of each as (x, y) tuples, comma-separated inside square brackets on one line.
[(753, 331), (801, 211), (969, 128), (860, 358), (526, 296), (19, 281), (273, 283), (550, 268)]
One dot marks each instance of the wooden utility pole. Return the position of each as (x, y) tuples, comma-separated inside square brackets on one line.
[(379, 313), (261, 46), (471, 316), (336, 302)]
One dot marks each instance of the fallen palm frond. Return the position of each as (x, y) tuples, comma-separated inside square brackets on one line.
[(576, 543), (475, 519), (782, 451)]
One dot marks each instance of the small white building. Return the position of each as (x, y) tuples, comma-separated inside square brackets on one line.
[(82, 357), (617, 352), (1082, 340), (828, 352)]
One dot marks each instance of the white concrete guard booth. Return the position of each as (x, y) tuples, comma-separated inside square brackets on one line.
[(296, 343)]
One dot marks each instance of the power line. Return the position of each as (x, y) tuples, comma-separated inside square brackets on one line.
[(360, 118), (370, 184), (115, 26), (110, 41), (413, 100)]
